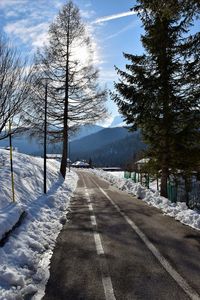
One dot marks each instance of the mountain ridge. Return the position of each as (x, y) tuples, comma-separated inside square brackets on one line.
[(112, 146), (116, 147)]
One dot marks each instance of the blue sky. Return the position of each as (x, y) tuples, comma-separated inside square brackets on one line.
[(26, 23)]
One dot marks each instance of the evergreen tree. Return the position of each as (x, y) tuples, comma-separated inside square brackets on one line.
[(159, 91)]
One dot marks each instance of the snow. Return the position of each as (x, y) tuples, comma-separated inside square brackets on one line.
[(142, 161), (25, 257), (118, 174), (117, 121), (178, 210), (80, 164), (9, 216)]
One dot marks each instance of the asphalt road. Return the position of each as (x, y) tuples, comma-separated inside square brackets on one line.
[(117, 247)]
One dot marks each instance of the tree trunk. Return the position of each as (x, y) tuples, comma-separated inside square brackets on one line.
[(164, 177), (63, 165)]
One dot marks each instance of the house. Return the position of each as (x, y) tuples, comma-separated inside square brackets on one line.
[(141, 163), (80, 164)]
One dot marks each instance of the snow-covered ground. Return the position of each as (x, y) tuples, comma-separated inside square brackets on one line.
[(120, 174), (25, 257), (179, 210)]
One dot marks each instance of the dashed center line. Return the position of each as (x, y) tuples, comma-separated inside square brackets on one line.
[(106, 279), (108, 289), (93, 220), (98, 243), (166, 265), (90, 207)]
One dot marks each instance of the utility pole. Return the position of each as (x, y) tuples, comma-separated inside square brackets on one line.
[(45, 140)]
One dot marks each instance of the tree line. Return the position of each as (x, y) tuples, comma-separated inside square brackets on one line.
[(159, 92)]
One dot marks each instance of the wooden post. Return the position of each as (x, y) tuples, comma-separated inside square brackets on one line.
[(45, 140), (11, 163), (69, 154), (157, 183)]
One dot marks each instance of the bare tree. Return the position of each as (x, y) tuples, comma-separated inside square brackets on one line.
[(14, 86), (74, 97)]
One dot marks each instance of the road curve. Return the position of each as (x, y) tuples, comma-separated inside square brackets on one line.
[(117, 247)]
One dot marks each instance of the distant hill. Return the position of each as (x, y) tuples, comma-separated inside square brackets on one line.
[(101, 138), (108, 147), (29, 145), (85, 131)]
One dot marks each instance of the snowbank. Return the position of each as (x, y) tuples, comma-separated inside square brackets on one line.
[(9, 216), (179, 210), (25, 257)]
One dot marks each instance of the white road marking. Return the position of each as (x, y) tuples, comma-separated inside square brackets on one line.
[(90, 207), (108, 288), (166, 265), (93, 220), (106, 279), (87, 195), (98, 244)]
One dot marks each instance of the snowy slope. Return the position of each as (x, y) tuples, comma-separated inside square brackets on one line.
[(24, 258), (118, 121)]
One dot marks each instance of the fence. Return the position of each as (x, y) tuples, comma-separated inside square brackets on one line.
[(178, 193), (172, 191), (194, 195), (143, 178), (175, 188)]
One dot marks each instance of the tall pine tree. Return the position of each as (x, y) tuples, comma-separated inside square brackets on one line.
[(159, 91)]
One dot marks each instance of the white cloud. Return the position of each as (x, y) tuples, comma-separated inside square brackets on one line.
[(108, 76), (13, 8), (11, 13), (113, 17), (58, 4), (28, 22), (97, 57), (7, 3), (34, 34), (126, 28), (88, 4), (87, 14)]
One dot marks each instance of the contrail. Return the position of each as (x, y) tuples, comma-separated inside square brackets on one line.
[(112, 17)]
